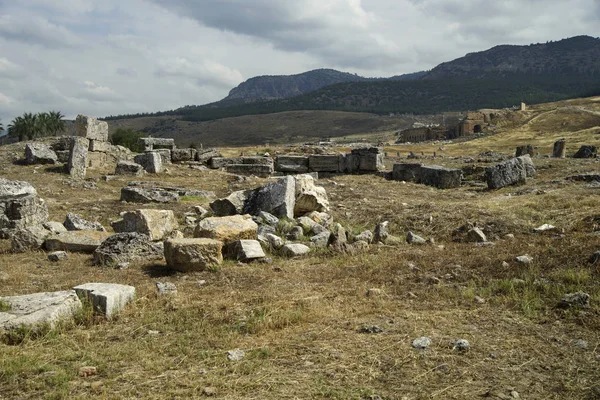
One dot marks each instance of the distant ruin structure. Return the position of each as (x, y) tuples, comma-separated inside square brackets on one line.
[(150, 143)]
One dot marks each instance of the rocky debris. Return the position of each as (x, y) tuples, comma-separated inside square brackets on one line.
[(291, 164), (76, 241), (87, 371), (38, 309), (584, 178), (412, 238), (54, 227), (295, 233), (370, 329), (374, 292), (365, 236), (295, 250), (544, 228), (236, 355), (91, 128), (421, 343), (40, 153), (309, 197), (339, 238), (127, 247), (581, 344), (29, 238), (306, 224), (78, 158), (157, 224), (525, 259), (57, 256), (129, 168), (132, 194), (181, 155), (108, 299), (595, 258), (259, 170), (512, 172), (230, 205), (227, 229), (244, 250), (275, 241), (151, 161), (476, 235), (578, 299), (277, 198), (74, 222), (204, 155), (522, 150), (267, 218), (321, 218), (263, 230), (321, 240), (187, 255), (586, 151), (381, 232), (460, 345), (166, 288), (430, 175), (19, 207), (559, 149)]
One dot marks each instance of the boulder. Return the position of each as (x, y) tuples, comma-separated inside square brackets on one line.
[(156, 224), (309, 197), (227, 229), (187, 255), (204, 155), (38, 310), (267, 218), (381, 232), (91, 128), (151, 161), (306, 224), (78, 158), (440, 177), (76, 241), (522, 150), (40, 153), (407, 172), (244, 250), (107, 299), (275, 241), (512, 172), (231, 205), (127, 247), (129, 168), (321, 240), (365, 236), (132, 194), (295, 250), (29, 238), (74, 222), (586, 151), (324, 163), (370, 159), (19, 207), (320, 218), (277, 198), (56, 256), (577, 299), (295, 233), (291, 164), (54, 227)]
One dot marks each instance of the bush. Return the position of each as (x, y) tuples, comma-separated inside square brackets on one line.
[(127, 138)]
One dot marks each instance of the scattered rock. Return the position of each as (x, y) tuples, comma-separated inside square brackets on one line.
[(84, 372), (127, 247), (586, 151), (275, 241), (231, 205), (370, 329), (268, 218), (544, 228), (148, 195), (381, 232), (76, 241), (411, 238), (54, 227), (28, 238), (57, 256), (227, 229), (578, 299), (40, 153), (309, 197), (511, 172), (236, 355), (295, 250), (193, 254), (461, 345), (479, 300), (476, 235), (156, 224), (166, 288), (20, 207), (421, 343), (129, 168), (107, 298), (277, 198), (295, 233), (365, 236), (525, 259), (74, 222), (244, 250), (321, 240)]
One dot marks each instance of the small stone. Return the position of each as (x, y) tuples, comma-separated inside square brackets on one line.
[(374, 292), (544, 227), (57, 256), (295, 250), (421, 343), (209, 391), (514, 394), (525, 259), (236, 355), (411, 238), (578, 299), (509, 236), (505, 264), (87, 371), (485, 244), (201, 282), (581, 344), (479, 300), (370, 329), (166, 288), (461, 345), (123, 265), (295, 233), (151, 332)]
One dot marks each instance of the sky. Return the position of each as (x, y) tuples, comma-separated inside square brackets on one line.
[(109, 57)]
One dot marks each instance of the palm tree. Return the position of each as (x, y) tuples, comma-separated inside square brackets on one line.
[(17, 128), (56, 123), (30, 126), (1, 127)]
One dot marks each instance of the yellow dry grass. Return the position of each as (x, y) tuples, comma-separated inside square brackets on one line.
[(299, 320)]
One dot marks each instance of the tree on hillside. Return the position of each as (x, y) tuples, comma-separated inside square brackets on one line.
[(127, 137), (1, 127), (30, 126)]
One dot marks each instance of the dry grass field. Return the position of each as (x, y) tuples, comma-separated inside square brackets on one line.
[(300, 321)]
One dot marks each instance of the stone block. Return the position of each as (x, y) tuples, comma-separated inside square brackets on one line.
[(512, 172), (91, 128), (157, 224), (231, 205), (408, 172), (107, 298), (291, 164), (129, 168), (440, 177), (76, 241), (262, 171), (78, 158), (350, 163), (187, 255), (244, 250), (181, 155), (370, 159), (151, 161), (165, 156), (20, 207), (295, 250), (40, 153), (277, 198), (127, 247), (28, 238), (204, 155), (324, 163), (101, 146), (132, 194), (227, 229)]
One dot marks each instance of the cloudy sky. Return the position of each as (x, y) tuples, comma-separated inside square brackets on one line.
[(103, 57)]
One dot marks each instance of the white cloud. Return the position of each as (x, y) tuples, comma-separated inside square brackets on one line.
[(37, 31)]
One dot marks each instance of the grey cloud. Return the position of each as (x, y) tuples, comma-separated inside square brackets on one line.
[(130, 73), (36, 30)]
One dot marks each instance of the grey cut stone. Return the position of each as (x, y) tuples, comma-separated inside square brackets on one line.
[(78, 158), (129, 168), (151, 161), (20, 207), (291, 164), (408, 172), (440, 177), (244, 250), (76, 241), (40, 153), (74, 222), (324, 163), (181, 155), (132, 194), (277, 198), (127, 247), (91, 128), (512, 172), (295, 250), (230, 205), (108, 299)]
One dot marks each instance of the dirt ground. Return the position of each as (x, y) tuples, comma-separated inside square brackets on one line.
[(300, 322)]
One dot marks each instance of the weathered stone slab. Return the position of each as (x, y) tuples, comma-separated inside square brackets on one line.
[(244, 250), (295, 250), (132, 194), (350, 163), (91, 128), (370, 159), (586, 151), (204, 155), (181, 155), (108, 299), (324, 163), (187, 255), (440, 177), (78, 158), (408, 172), (28, 238), (76, 241), (54, 227), (262, 171), (38, 310), (40, 153), (227, 229), (150, 143), (222, 162), (231, 205), (100, 146), (99, 160), (165, 156), (157, 224), (277, 198), (512, 172), (291, 164), (151, 161), (309, 197), (129, 168), (74, 222), (19, 207), (127, 247)]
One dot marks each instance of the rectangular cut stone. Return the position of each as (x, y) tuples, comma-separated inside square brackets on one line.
[(295, 164), (157, 224), (277, 198), (221, 162), (244, 250), (76, 241), (371, 159), (151, 161), (205, 155), (78, 158), (97, 145), (165, 155), (440, 177), (187, 255), (150, 143), (107, 298), (91, 128), (407, 172), (324, 163), (350, 163), (181, 155), (512, 172), (227, 229), (250, 169), (100, 161)]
